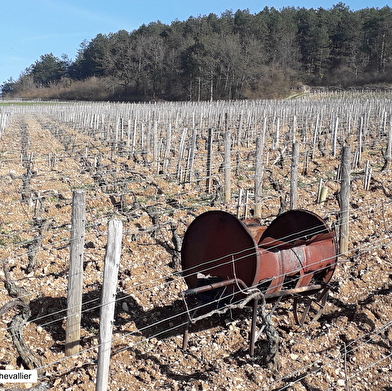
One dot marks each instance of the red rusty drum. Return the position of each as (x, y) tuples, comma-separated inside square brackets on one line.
[(296, 250)]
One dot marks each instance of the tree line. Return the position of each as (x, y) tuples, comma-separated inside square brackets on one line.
[(232, 56)]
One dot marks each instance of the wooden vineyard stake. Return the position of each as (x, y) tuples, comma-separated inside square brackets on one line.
[(335, 136), (368, 176), (227, 166), (239, 203), (294, 129), (315, 136), (355, 161), (155, 142), (116, 131), (246, 208), (134, 136), (192, 153), (259, 175), (306, 164), (294, 177), (112, 263), (209, 161), (277, 135), (128, 142), (344, 197), (239, 130), (388, 152), (360, 137), (181, 153), (166, 160), (75, 281)]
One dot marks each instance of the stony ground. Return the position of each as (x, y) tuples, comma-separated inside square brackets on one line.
[(348, 348)]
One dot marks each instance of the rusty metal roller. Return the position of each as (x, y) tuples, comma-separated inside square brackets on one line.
[(297, 249)]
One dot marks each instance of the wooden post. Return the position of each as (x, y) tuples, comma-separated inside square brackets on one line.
[(147, 149), (367, 176), (239, 202), (192, 153), (227, 166), (209, 161), (344, 198), (112, 263), (128, 134), (388, 152), (75, 279), (294, 129), (315, 136), (181, 153), (258, 175), (134, 136), (239, 131), (166, 160), (306, 164), (116, 130), (277, 135), (155, 142), (355, 159), (294, 177), (335, 136), (360, 138), (246, 207)]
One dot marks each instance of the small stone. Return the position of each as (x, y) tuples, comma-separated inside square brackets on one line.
[(294, 356)]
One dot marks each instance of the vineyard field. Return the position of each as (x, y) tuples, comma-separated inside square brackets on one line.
[(156, 167)]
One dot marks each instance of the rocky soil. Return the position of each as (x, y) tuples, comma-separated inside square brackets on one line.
[(348, 348)]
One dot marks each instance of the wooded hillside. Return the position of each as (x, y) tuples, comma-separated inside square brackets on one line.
[(232, 56)]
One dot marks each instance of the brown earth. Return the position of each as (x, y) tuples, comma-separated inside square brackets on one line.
[(348, 348)]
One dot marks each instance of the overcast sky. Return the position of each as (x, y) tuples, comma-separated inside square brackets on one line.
[(29, 29)]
